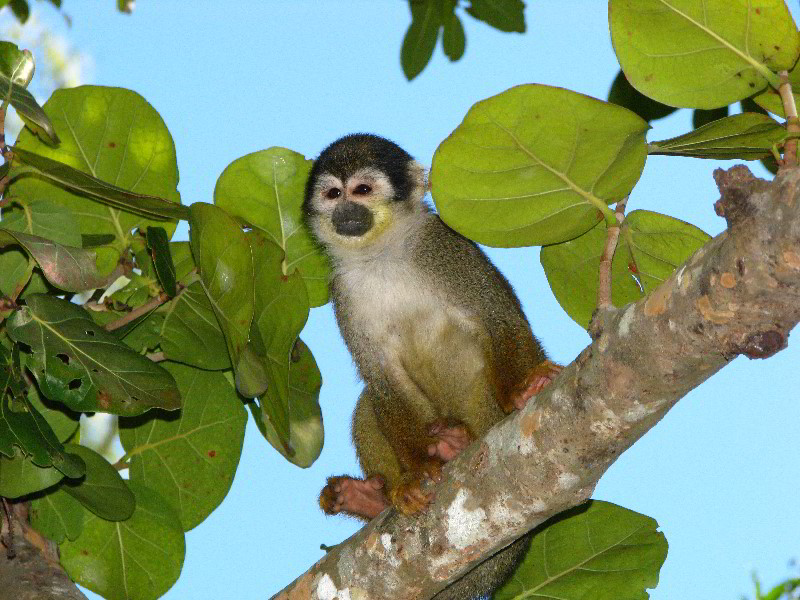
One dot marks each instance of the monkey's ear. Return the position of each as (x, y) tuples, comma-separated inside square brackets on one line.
[(419, 179)]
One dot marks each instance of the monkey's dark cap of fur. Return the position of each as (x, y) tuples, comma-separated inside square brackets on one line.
[(357, 151)]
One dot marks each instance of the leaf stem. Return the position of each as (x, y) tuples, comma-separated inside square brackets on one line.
[(137, 312), (604, 271), (792, 124)]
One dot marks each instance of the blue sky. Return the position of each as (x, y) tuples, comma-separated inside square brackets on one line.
[(719, 473)]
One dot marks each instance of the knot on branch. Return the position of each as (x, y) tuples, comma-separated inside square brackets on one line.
[(762, 344), (735, 188)]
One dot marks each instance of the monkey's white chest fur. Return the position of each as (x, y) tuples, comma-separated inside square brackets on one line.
[(403, 329)]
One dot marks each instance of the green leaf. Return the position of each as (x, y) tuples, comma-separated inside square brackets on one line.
[(114, 136), (536, 165), (702, 54), (599, 551), (62, 421), (746, 136), (266, 189), (68, 268), (81, 183), (182, 259), (189, 458), (505, 15), (222, 254), (57, 515), (23, 427), (702, 117), (190, 333), (305, 418), (158, 245), (80, 364), (454, 40), (420, 39), (281, 311), (770, 98), (40, 218), (137, 559), (102, 490), (20, 477), (16, 64), (650, 247), (16, 71), (20, 9), (622, 93)]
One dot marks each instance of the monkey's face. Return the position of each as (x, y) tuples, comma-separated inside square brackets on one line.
[(359, 190)]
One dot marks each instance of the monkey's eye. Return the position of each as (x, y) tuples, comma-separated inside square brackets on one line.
[(333, 193), (362, 189)]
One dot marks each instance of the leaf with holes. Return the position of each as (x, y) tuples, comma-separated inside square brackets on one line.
[(305, 418), (57, 515), (20, 477), (747, 136), (80, 364), (598, 550), (266, 189), (189, 458), (68, 268), (16, 70), (702, 54), (222, 254), (40, 218), (79, 182), (23, 427), (139, 559), (281, 311), (649, 249), (536, 165), (101, 490), (113, 135)]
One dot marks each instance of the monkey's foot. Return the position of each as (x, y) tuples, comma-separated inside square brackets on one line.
[(450, 439), (408, 496), (540, 377), (363, 498)]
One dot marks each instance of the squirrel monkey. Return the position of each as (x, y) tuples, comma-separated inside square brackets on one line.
[(435, 330)]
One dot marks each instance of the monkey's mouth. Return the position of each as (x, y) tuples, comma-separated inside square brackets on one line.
[(351, 218)]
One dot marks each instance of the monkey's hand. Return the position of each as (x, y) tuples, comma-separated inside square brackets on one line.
[(538, 378), (450, 438), (408, 496), (362, 498)]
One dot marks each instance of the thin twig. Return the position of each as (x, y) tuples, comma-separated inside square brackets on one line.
[(137, 312), (122, 463), (792, 124), (604, 274), (9, 542)]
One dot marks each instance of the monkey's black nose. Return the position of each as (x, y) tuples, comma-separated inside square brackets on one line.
[(351, 218)]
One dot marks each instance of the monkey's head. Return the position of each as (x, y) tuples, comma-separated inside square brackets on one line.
[(363, 191)]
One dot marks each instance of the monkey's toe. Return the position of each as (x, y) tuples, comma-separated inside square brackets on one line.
[(363, 498), (409, 498), (538, 379), (449, 440)]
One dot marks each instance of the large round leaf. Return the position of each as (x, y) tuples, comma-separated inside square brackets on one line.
[(137, 559), (266, 188), (191, 459), (702, 54), (112, 134), (536, 165)]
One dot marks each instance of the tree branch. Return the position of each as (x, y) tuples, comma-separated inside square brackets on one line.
[(739, 294)]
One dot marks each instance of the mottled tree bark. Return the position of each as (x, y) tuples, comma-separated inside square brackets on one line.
[(29, 568), (739, 294)]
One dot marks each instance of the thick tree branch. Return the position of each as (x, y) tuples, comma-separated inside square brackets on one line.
[(740, 294), (29, 568)]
